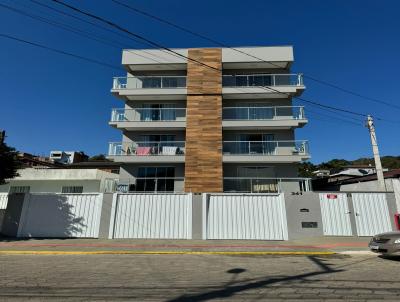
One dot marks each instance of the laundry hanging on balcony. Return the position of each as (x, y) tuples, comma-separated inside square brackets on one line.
[(169, 150), (143, 150)]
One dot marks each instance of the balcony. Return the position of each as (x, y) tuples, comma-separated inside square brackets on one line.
[(265, 151), (279, 117), (150, 87), (266, 185), (256, 86), (151, 185), (147, 152), (149, 119)]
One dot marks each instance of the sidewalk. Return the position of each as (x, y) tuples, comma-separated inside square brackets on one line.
[(321, 245)]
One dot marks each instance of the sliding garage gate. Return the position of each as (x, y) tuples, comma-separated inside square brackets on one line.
[(61, 215), (157, 216), (248, 216)]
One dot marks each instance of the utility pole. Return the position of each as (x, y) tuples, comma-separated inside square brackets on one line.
[(375, 150)]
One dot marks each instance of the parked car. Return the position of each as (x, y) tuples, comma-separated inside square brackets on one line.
[(386, 243)]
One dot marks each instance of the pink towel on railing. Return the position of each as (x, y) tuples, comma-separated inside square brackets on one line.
[(143, 150)]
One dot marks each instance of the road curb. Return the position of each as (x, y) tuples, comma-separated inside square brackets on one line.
[(369, 253), (244, 253)]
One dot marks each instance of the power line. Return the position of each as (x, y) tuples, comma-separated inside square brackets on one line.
[(77, 18), (335, 118), (77, 31), (269, 88), (155, 44), (59, 51), (85, 34), (110, 23), (159, 19), (101, 27)]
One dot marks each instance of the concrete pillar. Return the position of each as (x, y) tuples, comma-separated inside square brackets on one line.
[(197, 216), (106, 213)]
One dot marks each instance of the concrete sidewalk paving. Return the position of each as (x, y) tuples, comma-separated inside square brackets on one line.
[(313, 245)]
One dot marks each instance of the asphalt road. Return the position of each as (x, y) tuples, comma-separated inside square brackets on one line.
[(198, 278)]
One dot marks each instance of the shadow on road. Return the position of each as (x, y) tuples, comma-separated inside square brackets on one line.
[(391, 258), (231, 288)]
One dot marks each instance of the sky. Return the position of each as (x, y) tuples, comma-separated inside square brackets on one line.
[(55, 102)]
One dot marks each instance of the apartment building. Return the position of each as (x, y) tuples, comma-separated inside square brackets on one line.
[(211, 120)]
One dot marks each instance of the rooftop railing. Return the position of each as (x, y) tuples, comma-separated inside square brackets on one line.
[(148, 114), (266, 185), (143, 82), (262, 80), (263, 113), (146, 148), (265, 147)]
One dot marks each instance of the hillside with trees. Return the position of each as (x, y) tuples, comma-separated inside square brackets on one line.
[(336, 165)]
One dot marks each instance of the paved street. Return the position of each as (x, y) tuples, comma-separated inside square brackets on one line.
[(197, 278)]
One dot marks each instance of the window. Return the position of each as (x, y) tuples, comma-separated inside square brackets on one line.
[(19, 189), (154, 179), (72, 189)]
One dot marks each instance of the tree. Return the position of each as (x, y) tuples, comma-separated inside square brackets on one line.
[(306, 169), (9, 163)]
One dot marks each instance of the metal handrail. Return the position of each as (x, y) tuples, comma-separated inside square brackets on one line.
[(166, 148), (147, 114), (131, 184), (263, 113), (263, 184), (146, 82), (266, 147), (262, 79)]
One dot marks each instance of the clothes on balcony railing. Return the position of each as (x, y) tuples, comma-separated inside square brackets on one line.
[(143, 150), (265, 188), (166, 150)]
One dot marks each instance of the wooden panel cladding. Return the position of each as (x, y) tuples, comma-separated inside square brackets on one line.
[(203, 159)]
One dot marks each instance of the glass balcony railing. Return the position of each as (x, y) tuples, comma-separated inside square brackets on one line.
[(150, 185), (263, 113), (146, 148), (265, 147), (142, 82), (266, 185), (148, 114), (262, 80)]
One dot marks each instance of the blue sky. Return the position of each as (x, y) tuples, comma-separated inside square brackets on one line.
[(51, 102)]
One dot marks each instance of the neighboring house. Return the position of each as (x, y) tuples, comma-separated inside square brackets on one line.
[(68, 157), (370, 183), (321, 173), (357, 171), (60, 181), (349, 173), (221, 121), (33, 161), (108, 166)]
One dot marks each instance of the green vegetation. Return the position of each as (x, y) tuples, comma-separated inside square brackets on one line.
[(335, 165), (9, 163)]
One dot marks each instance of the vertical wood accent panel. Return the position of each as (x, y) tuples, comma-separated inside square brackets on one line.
[(203, 158)]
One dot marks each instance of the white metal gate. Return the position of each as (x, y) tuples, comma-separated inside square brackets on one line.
[(61, 215), (161, 216), (3, 201), (246, 216), (335, 214), (371, 213)]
